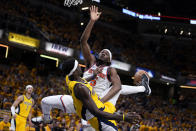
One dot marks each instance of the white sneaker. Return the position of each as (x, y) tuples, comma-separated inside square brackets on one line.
[(37, 120)]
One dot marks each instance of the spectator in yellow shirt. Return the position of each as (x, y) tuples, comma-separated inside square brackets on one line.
[(5, 124)]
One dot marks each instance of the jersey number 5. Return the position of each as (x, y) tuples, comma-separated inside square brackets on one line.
[(93, 82)]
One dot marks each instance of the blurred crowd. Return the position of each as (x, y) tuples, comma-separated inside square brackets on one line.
[(157, 114), (40, 21), (12, 81), (160, 56)]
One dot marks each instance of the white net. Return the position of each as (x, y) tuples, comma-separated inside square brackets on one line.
[(72, 2)]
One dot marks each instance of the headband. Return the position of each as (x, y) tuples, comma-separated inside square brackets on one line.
[(74, 68), (29, 86), (110, 54)]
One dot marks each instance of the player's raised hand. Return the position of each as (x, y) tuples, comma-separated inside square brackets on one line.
[(94, 13)]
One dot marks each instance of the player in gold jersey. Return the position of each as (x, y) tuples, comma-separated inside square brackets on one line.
[(88, 105), (24, 105)]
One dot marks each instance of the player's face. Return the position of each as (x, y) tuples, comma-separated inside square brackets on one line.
[(79, 70), (6, 119), (104, 56), (30, 90)]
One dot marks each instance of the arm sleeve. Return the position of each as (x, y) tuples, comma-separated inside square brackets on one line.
[(13, 110)]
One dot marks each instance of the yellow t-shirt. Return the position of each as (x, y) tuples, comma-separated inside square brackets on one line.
[(4, 126)]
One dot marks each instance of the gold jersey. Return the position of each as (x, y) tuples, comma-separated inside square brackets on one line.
[(25, 106), (84, 113)]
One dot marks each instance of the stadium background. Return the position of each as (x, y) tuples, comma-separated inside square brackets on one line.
[(163, 44)]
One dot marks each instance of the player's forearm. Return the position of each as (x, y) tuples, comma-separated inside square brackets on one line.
[(86, 34), (29, 117), (132, 118), (111, 93), (89, 78), (109, 116)]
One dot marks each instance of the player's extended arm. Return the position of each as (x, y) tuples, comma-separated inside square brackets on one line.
[(83, 93), (116, 85), (30, 114), (15, 104), (89, 78), (89, 58), (94, 75)]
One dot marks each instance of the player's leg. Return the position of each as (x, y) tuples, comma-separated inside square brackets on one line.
[(103, 125), (86, 126), (110, 105), (63, 102), (144, 87), (49, 102), (108, 127), (23, 124), (127, 89), (20, 123), (114, 99), (67, 101)]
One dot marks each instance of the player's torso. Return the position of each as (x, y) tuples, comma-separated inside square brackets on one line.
[(101, 82), (24, 107), (79, 105)]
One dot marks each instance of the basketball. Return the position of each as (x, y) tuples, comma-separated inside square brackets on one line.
[(138, 76)]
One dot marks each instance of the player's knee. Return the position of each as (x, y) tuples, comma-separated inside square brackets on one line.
[(44, 100)]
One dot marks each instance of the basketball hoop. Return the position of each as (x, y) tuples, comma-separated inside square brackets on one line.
[(72, 2)]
